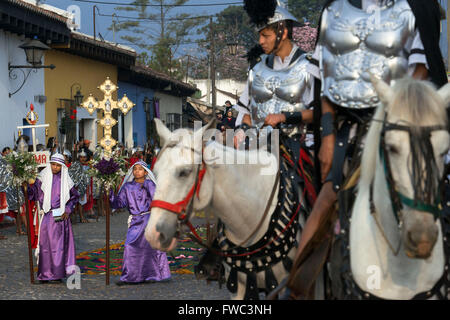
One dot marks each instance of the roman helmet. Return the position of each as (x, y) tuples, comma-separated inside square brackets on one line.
[(263, 13)]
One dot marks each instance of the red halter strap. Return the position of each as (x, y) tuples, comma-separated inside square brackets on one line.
[(180, 207)]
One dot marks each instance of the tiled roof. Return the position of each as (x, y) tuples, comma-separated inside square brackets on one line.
[(105, 44), (140, 69), (45, 10)]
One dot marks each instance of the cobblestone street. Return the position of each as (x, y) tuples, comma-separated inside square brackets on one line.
[(15, 279)]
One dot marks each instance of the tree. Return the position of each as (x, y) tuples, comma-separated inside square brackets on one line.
[(231, 25), (306, 10), (235, 25), (159, 35), (305, 37)]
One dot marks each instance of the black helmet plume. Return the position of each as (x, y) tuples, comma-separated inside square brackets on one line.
[(260, 11), (253, 56)]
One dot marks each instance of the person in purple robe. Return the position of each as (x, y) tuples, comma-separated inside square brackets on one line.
[(141, 263), (57, 196)]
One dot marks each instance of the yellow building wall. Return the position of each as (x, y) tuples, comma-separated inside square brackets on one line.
[(71, 69)]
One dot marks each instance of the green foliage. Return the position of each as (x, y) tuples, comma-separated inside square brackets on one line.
[(306, 10), (157, 34), (234, 24)]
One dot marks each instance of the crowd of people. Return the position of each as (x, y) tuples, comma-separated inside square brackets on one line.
[(64, 191), (226, 119)]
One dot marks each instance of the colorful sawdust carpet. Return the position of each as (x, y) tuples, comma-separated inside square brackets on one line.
[(181, 260)]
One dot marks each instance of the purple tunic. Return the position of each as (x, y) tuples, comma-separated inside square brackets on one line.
[(56, 244), (140, 261)]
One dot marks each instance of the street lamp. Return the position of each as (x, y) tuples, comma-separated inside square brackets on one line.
[(78, 98), (232, 48), (34, 51), (146, 103)]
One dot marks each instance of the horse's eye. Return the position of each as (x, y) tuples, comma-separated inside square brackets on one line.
[(184, 173), (392, 149)]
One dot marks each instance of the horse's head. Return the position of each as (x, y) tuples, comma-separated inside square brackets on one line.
[(413, 141), (177, 172)]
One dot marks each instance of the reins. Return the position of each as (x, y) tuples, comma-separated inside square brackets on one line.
[(398, 199), (184, 208)]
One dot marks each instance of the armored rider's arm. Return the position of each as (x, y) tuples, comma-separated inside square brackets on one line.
[(305, 116), (421, 72)]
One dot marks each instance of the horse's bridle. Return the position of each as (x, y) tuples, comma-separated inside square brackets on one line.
[(184, 208), (397, 198)]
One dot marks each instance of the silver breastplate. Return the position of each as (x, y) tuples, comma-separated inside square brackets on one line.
[(275, 91), (356, 43)]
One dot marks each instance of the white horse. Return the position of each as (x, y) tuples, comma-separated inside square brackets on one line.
[(398, 258), (234, 188)]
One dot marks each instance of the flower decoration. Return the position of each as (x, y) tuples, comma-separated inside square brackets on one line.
[(107, 172), (23, 166)]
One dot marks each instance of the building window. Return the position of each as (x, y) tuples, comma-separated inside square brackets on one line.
[(173, 121)]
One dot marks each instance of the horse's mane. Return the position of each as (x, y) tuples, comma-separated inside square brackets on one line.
[(416, 103)]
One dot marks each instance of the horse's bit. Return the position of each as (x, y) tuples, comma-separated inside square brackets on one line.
[(397, 198)]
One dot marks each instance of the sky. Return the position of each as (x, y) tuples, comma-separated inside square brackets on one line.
[(103, 23)]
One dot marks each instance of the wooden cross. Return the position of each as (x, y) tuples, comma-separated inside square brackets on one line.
[(108, 105)]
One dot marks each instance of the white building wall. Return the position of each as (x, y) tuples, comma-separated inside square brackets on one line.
[(168, 104), (13, 110), (228, 85)]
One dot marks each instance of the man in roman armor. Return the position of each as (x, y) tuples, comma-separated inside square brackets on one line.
[(280, 87), (386, 38), (278, 93)]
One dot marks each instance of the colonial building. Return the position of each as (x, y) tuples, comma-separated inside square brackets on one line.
[(79, 64), (20, 85), (155, 95), (83, 65)]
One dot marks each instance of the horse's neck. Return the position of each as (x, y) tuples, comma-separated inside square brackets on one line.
[(240, 196), (400, 277)]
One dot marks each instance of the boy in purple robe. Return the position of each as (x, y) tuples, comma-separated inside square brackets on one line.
[(141, 263), (57, 196)]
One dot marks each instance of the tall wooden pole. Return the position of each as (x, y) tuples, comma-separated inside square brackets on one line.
[(107, 237), (27, 215), (213, 62), (448, 34), (93, 11)]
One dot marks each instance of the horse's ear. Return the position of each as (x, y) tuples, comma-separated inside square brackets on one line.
[(199, 134), (383, 90), (444, 92), (163, 132)]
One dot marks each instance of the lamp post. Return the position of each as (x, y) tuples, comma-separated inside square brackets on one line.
[(232, 48), (71, 115), (34, 51), (147, 102), (213, 64)]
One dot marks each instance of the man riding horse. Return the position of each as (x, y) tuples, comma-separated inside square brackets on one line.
[(278, 91), (279, 87), (389, 39)]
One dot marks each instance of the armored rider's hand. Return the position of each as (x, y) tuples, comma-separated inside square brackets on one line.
[(274, 119)]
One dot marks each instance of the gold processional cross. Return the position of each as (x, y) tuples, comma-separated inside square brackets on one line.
[(108, 105)]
